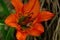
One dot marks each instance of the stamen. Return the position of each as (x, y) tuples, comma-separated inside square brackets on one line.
[(29, 24)]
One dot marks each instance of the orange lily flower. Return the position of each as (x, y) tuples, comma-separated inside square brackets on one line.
[(27, 19)]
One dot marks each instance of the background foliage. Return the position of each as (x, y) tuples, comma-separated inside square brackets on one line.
[(52, 27)]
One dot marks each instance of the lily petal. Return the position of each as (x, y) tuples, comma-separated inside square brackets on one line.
[(17, 4), (21, 36), (45, 16), (36, 30), (11, 20), (29, 5), (33, 6), (39, 26), (36, 9)]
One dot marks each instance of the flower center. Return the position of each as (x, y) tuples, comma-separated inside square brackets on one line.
[(24, 22)]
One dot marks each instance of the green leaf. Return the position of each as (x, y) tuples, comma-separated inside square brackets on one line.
[(9, 34), (6, 34), (2, 17), (3, 31), (6, 11), (1, 21)]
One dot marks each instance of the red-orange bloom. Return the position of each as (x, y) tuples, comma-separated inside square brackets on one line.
[(27, 19)]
